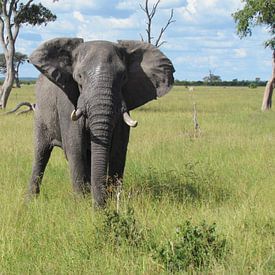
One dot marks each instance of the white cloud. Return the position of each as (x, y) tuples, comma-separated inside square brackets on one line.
[(23, 45), (216, 44), (78, 16), (115, 23), (127, 5), (170, 3), (66, 27), (200, 61), (70, 5), (110, 28), (267, 63), (135, 4), (240, 53), (207, 10)]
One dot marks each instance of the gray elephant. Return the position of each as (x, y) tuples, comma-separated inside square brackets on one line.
[(84, 96)]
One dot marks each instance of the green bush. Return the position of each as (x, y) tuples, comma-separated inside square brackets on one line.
[(253, 85), (121, 228), (195, 248)]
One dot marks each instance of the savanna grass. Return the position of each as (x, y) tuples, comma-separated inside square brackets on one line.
[(224, 175)]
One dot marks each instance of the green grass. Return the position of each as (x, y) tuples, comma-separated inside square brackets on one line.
[(223, 175)]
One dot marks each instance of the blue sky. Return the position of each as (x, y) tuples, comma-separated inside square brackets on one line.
[(203, 37)]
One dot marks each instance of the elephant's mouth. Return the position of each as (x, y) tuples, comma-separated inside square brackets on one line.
[(77, 113)]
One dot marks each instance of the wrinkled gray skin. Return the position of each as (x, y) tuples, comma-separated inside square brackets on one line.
[(101, 80)]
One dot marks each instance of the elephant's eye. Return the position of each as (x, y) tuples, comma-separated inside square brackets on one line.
[(78, 77)]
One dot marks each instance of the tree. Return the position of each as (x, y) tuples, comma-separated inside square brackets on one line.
[(19, 59), (212, 78), (259, 13), (13, 15), (150, 13)]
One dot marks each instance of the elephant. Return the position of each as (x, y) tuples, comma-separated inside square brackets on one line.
[(83, 98)]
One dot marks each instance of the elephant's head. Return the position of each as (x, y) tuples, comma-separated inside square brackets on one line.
[(104, 80)]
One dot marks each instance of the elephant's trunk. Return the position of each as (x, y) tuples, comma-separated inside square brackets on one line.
[(102, 104), (99, 164), (100, 117)]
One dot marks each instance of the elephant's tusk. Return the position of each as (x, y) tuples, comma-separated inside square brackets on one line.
[(128, 120), (76, 114)]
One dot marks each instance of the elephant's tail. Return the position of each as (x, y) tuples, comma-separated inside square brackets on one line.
[(31, 107)]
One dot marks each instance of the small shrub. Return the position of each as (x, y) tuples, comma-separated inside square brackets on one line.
[(252, 86), (120, 228), (195, 248)]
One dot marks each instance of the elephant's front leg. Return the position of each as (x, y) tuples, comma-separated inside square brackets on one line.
[(79, 168), (118, 152), (42, 152), (78, 172)]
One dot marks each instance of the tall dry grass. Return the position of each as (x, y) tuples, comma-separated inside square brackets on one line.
[(224, 175)]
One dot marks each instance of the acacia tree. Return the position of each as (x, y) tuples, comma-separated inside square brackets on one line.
[(150, 13), (14, 14), (212, 78), (19, 59), (256, 13)]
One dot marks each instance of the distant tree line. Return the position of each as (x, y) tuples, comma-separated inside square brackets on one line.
[(23, 81), (234, 82)]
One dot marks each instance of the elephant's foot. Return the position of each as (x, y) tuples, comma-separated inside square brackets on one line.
[(82, 188), (32, 193)]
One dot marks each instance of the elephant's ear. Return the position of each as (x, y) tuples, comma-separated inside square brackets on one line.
[(54, 59), (150, 73)]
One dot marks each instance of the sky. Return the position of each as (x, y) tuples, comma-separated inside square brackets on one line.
[(203, 38)]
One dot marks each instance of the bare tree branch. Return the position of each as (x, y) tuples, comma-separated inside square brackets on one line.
[(16, 26), (4, 8), (150, 15), (28, 3), (16, 31), (170, 21), (31, 107), (12, 6), (154, 9), (2, 38), (160, 44), (148, 30), (6, 22)]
